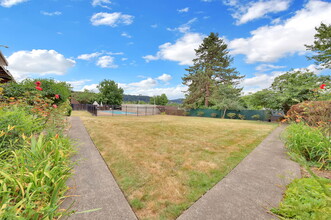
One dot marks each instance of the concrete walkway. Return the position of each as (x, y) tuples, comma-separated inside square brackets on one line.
[(93, 183), (252, 188)]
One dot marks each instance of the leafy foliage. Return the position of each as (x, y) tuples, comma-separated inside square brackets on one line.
[(14, 122), (33, 179), (110, 93), (289, 89), (256, 117), (322, 46), (50, 88), (305, 199), (210, 69), (232, 115), (159, 100), (85, 97)]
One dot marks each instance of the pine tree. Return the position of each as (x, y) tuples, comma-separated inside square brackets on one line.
[(322, 46), (211, 68)]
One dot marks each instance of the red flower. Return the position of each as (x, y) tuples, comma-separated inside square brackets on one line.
[(57, 96), (322, 86), (54, 106), (38, 83), (39, 88)]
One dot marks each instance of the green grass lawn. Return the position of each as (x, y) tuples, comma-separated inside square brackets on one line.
[(165, 163)]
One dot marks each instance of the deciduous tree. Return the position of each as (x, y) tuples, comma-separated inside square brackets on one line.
[(110, 93)]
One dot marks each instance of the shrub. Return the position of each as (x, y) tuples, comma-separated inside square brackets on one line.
[(232, 115), (256, 117), (50, 88), (186, 113), (200, 113), (308, 142), (305, 199), (214, 115), (313, 113), (242, 117)]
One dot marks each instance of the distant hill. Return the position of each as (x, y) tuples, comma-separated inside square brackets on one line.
[(136, 98), (178, 101)]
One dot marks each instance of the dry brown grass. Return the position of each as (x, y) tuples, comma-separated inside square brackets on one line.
[(165, 163)]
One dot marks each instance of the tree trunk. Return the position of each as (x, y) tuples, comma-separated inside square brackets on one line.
[(224, 113), (207, 96)]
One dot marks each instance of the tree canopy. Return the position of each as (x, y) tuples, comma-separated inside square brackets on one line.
[(322, 46), (159, 100), (110, 93), (289, 89), (85, 97), (210, 69)]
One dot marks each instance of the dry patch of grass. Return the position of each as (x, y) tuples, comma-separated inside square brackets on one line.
[(165, 163)]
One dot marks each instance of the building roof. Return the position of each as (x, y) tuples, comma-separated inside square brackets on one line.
[(3, 59), (5, 75)]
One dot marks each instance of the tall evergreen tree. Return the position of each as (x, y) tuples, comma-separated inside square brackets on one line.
[(211, 68), (322, 46)]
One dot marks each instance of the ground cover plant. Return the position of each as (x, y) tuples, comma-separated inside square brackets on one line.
[(165, 163), (34, 153)]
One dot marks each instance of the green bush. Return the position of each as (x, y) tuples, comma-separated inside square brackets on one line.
[(256, 117), (310, 143), (33, 179), (214, 115), (232, 115), (200, 113), (50, 88), (305, 199), (242, 117)]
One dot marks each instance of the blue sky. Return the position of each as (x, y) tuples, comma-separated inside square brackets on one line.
[(146, 45)]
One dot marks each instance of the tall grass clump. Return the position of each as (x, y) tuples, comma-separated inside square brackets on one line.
[(32, 179), (310, 143)]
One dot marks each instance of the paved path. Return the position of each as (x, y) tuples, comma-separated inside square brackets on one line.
[(93, 182), (249, 190)]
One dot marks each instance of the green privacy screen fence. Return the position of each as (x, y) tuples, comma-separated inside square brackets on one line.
[(264, 115)]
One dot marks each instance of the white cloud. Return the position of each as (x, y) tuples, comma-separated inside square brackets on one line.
[(146, 83), (51, 13), (106, 62), (102, 3), (111, 19), (184, 28), (89, 56), (154, 26), (164, 77), (254, 10), (149, 87), (183, 10), (270, 43), (39, 62), (10, 3), (92, 87), (124, 34), (77, 85), (181, 51), (267, 67)]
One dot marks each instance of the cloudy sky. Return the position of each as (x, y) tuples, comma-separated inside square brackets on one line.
[(146, 45)]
